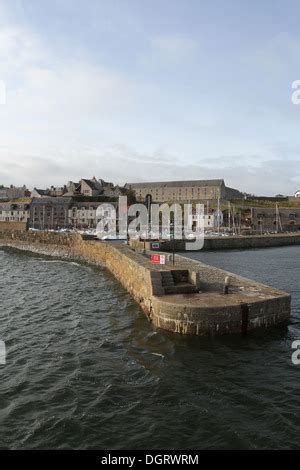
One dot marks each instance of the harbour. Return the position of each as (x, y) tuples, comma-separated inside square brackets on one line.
[(189, 298), (99, 375)]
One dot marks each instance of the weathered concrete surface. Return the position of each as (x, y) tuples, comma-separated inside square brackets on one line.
[(248, 305), (207, 314)]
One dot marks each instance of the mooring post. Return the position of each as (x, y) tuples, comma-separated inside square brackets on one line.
[(226, 285), (245, 318)]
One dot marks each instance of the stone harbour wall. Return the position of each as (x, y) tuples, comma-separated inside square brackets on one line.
[(17, 226), (227, 243), (250, 304)]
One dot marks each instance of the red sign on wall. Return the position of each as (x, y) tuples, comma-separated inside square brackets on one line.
[(158, 259)]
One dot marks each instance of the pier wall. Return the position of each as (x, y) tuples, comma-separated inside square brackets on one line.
[(13, 226), (250, 304), (252, 241), (129, 271), (228, 243)]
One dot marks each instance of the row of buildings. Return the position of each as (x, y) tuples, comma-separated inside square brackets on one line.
[(160, 192), (51, 213), (85, 187), (54, 213), (75, 204), (13, 192)]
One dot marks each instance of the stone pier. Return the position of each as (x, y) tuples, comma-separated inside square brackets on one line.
[(187, 298)]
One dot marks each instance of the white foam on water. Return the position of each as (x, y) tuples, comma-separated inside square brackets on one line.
[(157, 354), (2, 353)]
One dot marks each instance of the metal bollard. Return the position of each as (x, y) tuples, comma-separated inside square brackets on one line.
[(226, 285)]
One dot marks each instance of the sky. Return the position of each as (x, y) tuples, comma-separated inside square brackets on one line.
[(150, 90)]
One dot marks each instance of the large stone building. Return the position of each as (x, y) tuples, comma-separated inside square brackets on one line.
[(185, 191), (49, 213), (269, 219)]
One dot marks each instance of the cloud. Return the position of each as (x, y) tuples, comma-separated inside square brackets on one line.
[(267, 177), (73, 91), (66, 119), (18, 48), (52, 101), (122, 164), (40, 87)]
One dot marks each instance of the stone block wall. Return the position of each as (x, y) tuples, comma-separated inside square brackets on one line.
[(13, 226)]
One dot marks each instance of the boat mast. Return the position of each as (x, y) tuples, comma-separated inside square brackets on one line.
[(278, 219), (218, 215), (233, 222)]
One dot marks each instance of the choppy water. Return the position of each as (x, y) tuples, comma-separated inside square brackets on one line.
[(85, 369)]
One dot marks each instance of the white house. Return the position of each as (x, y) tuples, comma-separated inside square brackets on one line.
[(297, 193), (15, 212), (208, 220)]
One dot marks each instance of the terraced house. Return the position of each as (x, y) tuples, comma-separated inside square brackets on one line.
[(15, 211), (83, 214), (49, 213), (13, 192)]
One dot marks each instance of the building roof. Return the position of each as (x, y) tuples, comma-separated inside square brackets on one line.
[(173, 184), (93, 184), (5, 206), (14, 205), (22, 200), (48, 200), (41, 192), (86, 204)]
